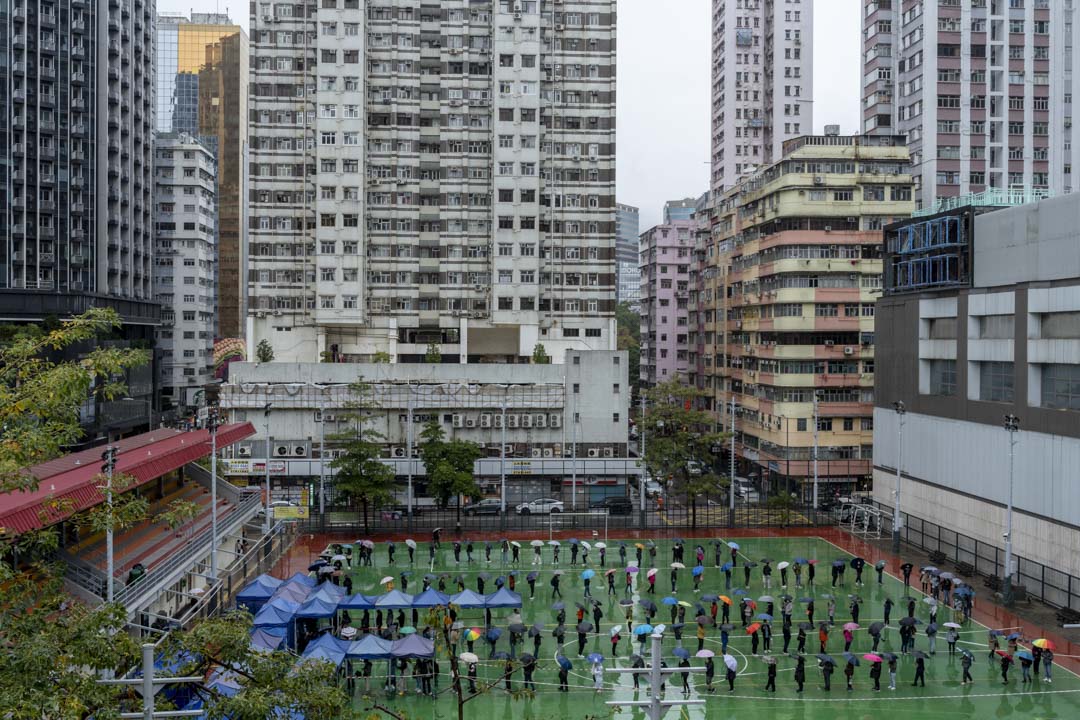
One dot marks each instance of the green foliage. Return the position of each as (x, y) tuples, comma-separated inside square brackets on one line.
[(40, 396), (126, 509), (381, 357), (783, 502), (677, 432), (264, 351), (180, 513), (433, 353), (449, 464), (540, 356), (269, 681), (360, 474), (629, 339)]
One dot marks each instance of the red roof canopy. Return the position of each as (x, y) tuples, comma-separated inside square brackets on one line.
[(69, 484)]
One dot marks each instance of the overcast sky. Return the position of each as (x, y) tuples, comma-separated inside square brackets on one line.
[(663, 89)]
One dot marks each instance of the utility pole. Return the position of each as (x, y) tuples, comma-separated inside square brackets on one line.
[(656, 706), (266, 517), (212, 426), (502, 466), (897, 521), (148, 681), (644, 464), (573, 452), (408, 453), (731, 482), (815, 458), (1012, 426), (321, 420), (108, 466)]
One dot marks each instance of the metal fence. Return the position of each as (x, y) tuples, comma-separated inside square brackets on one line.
[(1053, 587)]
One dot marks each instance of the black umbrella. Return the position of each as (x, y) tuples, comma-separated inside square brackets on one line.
[(857, 562), (625, 602), (889, 657), (500, 656), (579, 606), (525, 658), (316, 565), (906, 566), (919, 654), (727, 626), (785, 597), (910, 621), (750, 565), (585, 627), (806, 599), (825, 658), (876, 628), (484, 576), (645, 603), (806, 626), (678, 626), (765, 561), (703, 620), (851, 658), (536, 630), (516, 627)]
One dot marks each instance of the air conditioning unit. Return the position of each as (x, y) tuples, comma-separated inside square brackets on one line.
[(560, 26), (282, 451), (470, 422), (243, 451), (540, 421), (537, 452), (593, 452), (511, 421), (829, 343), (609, 452), (548, 452), (557, 450), (852, 220), (77, 286), (819, 180), (526, 421), (556, 421), (328, 418), (399, 452), (299, 451), (498, 420), (828, 228), (485, 420), (849, 350), (458, 421), (508, 449), (517, 16)]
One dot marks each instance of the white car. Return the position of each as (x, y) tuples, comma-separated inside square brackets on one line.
[(274, 505), (543, 506)]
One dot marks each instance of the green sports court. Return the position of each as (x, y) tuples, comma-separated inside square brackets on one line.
[(942, 697)]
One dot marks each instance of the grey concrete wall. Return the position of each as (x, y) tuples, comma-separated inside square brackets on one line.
[(1030, 243)]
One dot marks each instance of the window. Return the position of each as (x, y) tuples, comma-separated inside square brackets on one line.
[(614, 417), (824, 424), (943, 377), (800, 424), (996, 381), (1061, 387)]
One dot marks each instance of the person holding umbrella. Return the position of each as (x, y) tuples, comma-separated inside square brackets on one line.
[(674, 577), (746, 574), (800, 672), (638, 664), (468, 551), (700, 636), (390, 548), (597, 615), (573, 553), (875, 632), (854, 608), (615, 638), (992, 644), (920, 670), (1006, 661), (724, 637), (457, 552), (697, 574), (564, 674), (555, 591), (826, 672), (1025, 666), (583, 629), (911, 607), (951, 637), (848, 637), (810, 570), (892, 671), (858, 564), (753, 631), (802, 638), (710, 672), (796, 569), (783, 574), (831, 610), (905, 569), (879, 566), (685, 663), (555, 553), (587, 579), (786, 629), (810, 611), (730, 672), (770, 684), (610, 575), (1048, 663), (965, 663), (888, 609), (528, 666), (515, 553), (931, 636), (823, 636), (766, 574), (875, 674), (849, 673)]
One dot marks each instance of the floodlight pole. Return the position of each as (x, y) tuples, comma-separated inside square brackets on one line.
[(644, 464), (1012, 426), (656, 706), (815, 450), (897, 522), (266, 518), (731, 481), (502, 466), (408, 453), (212, 426)]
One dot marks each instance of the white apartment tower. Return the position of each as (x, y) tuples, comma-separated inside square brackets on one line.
[(983, 90), (762, 75), (185, 263), (432, 172)]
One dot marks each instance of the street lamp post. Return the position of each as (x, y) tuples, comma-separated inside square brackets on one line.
[(408, 454), (212, 426), (502, 467), (897, 522), (266, 517), (573, 452), (108, 467), (1012, 426), (645, 464), (321, 419), (815, 450), (731, 481)]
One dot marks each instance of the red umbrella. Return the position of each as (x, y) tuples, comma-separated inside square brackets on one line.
[(1003, 654), (753, 628)]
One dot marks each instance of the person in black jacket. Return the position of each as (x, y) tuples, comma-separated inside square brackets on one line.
[(800, 672), (875, 675), (731, 680), (710, 669), (826, 674), (771, 682)]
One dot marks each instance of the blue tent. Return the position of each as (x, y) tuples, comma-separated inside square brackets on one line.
[(371, 647), (279, 612), (317, 607), (257, 592), (357, 602), (394, 600), (267, 638), (296, 591), (329, 589), (430, 598), (303, 578), (327, 647), (503, 598), (413, 646), (468, 599)]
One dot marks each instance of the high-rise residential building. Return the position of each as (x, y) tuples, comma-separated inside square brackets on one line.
[(185, 265), (432, 176), (666, 253), (76, 121), (790, 301), (982, 90), (675, 210), (762, 83), (979, 322), (700, 305), (202, 90), (627, 219)]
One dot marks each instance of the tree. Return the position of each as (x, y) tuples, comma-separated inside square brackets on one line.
[(433, 353), (678, 434), (272, 684), (449, 465), (381, 357), (180, 513), (629, 339), (782, 503), (360, 474), (264, 351), (40, 395), (540, 356)]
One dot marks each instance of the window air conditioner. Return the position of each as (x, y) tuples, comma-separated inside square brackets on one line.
[(556, 421), (485, 421), (282, 451), (536, 452), (457, 421), (244, 452), (470, 422), (399, 452), (593, 452), (299, 451), (540, 421), (511, 421), (849, 351)]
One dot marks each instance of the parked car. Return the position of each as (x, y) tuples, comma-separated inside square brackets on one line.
[(693, 467), (543, 506), (653, 489), (274, 504), (614, 505), (484, 507)]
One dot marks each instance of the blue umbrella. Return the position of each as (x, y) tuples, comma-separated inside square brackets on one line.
[(681, 652), (1011, 636), (670, 600), (801, 560), (710, 597), (494, 634), (1025, 654), (698, 569), (764, 616), (838, 563), (595, 658), (588, 574), (646, 603), (740, 591), (851, 658), (733, 545), (564, 662), (574, 541), (726, 566), (558, 606), (643, 629), (531, 576)]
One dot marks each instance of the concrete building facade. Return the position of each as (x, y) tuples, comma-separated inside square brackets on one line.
[(762, 83), (679, 209), (185, 264), (982, 90), (666, 256), (564, 425), (789, 306), (433, 175), (202, 90), (981, 318), (627, 219)]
